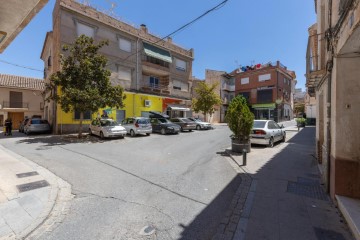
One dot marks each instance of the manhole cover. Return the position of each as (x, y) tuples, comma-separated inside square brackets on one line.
[(27, 174), (307, 190), (33, 185), (147, 230)]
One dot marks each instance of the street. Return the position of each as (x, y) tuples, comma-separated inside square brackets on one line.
[(171, 187)]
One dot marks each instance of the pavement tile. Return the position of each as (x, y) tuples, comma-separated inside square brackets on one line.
[(32, 205), (15, 216)]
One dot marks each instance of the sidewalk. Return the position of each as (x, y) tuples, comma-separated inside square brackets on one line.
[(32, 199), (281, 195)]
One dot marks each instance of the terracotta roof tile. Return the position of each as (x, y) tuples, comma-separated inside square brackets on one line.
[(21, 82)]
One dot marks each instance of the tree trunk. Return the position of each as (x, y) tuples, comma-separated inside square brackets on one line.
[(80, 124)]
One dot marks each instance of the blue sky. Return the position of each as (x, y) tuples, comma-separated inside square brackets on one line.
[(242, 32)]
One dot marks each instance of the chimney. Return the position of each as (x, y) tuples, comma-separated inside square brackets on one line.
[(169, 39), (143, 28)]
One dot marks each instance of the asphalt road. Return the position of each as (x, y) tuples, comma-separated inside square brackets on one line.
[(156, 187)]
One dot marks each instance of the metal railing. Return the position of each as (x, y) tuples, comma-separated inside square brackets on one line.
[(15, 105)]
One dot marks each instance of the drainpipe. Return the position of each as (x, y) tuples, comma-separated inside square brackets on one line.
[(329, 67), (137, 73)]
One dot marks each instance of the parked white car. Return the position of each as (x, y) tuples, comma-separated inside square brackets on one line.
[(200, 124), (137, 125), (106, 128), (267, 132)]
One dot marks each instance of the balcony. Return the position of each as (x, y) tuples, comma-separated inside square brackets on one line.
[(158, 89), (228, 87), (315, 68), (15, 105)]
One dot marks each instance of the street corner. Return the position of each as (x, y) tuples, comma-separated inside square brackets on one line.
[(30, 196)]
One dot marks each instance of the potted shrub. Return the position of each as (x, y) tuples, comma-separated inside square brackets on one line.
[(240, 120), (300, 122)]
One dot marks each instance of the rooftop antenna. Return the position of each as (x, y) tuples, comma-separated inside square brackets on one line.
[(238, 65), (113, 6)]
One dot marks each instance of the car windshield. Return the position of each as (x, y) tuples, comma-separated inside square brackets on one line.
[(39, 121), (143, 121), (259, 124), (163, 120), (109, 123)]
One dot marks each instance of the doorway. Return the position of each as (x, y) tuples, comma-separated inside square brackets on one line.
[(16, 118)]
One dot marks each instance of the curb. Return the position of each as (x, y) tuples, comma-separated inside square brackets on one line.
[(232, 225), (56, 207)]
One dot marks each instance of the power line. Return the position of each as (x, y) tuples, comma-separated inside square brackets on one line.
[(220, 5), (17, 65)]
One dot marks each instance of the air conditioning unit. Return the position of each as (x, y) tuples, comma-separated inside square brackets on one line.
[(147, 103)]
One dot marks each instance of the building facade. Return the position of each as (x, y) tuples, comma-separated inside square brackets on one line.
[(268, 89), (155, 73), (333, 61), (225, 89), (20, 97)]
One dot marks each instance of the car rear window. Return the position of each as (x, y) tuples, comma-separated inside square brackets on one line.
[(143, 121), (259, 124), (187, 120), (39, 121), (109, 123)]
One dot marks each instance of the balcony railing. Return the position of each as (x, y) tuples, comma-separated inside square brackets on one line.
[(15, 105), (228, 87), (155, 88)]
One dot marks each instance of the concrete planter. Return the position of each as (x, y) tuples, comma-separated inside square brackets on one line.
[(238, 146)]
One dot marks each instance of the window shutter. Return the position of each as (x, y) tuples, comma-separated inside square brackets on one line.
[(85, 29), (124, 45)]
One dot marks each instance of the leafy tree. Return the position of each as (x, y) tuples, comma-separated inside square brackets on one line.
[(206, 99), (299, 108), (240, 119), (84, 81)]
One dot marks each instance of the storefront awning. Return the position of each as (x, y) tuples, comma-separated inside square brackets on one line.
[(158, 53), (264, 106), (177, 107)]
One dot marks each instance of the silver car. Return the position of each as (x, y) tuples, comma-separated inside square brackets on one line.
[(37, 125), (106, 128), (200, 124), (137, 125), (267, 132)]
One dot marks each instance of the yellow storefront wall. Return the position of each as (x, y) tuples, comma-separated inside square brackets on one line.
[(134, 106)]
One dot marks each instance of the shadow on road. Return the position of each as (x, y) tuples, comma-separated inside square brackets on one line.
[(291, 176)]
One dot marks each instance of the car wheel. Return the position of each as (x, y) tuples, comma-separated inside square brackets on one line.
[(163, 132), (132, 133), (101, 135), (284, 138), (271, 142), (190, 130), (198, 127), (90, 132)]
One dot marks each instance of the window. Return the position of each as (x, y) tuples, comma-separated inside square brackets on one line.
[(285, 81), (125, 45), (154, 82), (87, 115), (124, 73), (180, 85), (85, 29), (264, 77), (180, 64), (245, 80), (265, 96)]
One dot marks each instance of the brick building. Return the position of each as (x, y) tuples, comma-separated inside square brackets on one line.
[(268, 89)]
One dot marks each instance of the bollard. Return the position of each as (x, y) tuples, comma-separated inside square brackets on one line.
[(244, 157)]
